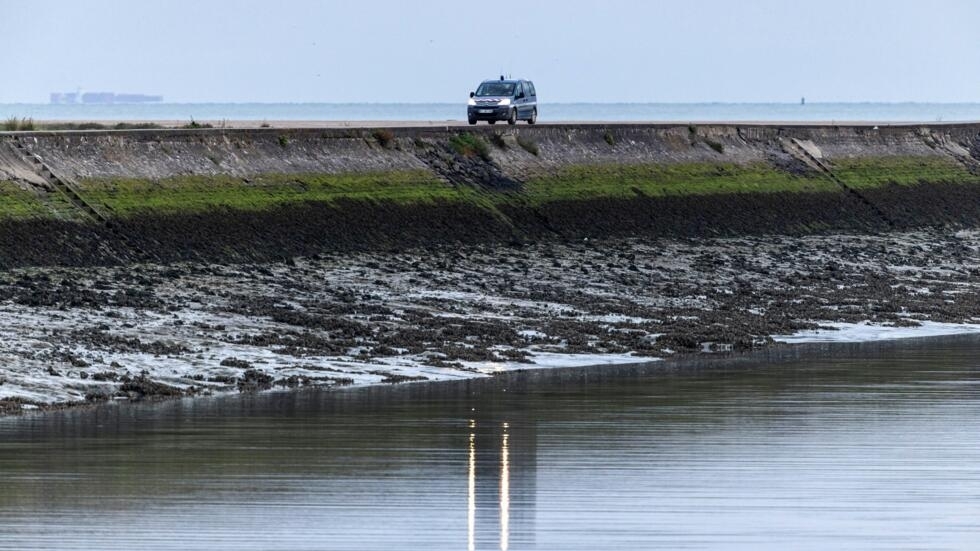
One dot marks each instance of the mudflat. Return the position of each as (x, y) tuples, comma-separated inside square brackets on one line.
[(85, 335)]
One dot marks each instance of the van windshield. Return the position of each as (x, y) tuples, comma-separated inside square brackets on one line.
[(495, 89)]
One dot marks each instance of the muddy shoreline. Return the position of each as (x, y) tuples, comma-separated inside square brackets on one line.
[(685, 364), (87, 335), (138, 265)]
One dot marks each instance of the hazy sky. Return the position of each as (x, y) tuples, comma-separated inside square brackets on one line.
[(437, 51)]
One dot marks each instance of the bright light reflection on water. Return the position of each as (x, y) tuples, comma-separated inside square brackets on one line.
[(861, 447)]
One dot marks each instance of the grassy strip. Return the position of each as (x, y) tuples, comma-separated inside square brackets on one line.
[(469, 145), (202, 193), (98, 126), (625, 181), (13, 124), (863, 173)]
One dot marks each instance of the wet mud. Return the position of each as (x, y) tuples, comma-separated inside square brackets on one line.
[(76, 335)]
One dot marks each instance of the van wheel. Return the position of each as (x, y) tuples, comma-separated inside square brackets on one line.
[(513, 117), (534, 117), (491, 122), (471, 121)]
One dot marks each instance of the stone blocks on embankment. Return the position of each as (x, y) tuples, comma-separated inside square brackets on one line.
[(218, 194)]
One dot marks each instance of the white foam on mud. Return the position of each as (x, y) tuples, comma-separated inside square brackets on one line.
[(25, 340), (869, 332), (615, 318), (552, 360)]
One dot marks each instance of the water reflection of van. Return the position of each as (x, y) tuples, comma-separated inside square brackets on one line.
[(503, 100)]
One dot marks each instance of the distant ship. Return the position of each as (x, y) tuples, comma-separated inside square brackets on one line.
[(100, 98)]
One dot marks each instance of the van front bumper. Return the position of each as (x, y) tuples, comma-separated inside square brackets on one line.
[(492, 113)]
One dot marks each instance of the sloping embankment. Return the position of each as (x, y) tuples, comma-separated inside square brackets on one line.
[(108, 197)]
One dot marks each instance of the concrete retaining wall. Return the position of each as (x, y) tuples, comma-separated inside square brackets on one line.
[(119, 196)]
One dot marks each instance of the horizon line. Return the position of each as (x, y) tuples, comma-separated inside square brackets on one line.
[(788, 103)]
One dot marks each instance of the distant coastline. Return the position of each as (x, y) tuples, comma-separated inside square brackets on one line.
[(100, 98)]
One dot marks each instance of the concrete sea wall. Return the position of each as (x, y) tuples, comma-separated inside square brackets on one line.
[(106, 197)]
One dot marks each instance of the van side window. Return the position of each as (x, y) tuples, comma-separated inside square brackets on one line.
[(530, 88), (520, 89)]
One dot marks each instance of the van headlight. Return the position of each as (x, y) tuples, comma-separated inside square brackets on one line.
[(471, 102), (504, 101)]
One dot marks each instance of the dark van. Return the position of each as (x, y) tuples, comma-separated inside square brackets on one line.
[(503, 100)]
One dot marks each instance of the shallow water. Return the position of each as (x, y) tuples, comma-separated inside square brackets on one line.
[(843, 447)]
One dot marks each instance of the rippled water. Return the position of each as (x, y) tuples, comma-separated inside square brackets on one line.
[(860, 447)]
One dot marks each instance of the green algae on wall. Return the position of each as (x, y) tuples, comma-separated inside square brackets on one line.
[(666, 180), (658, 180), (200, 193), (19, 204), (872, 172)]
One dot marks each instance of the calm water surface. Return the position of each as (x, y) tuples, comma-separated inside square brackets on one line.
[(864, 447)]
